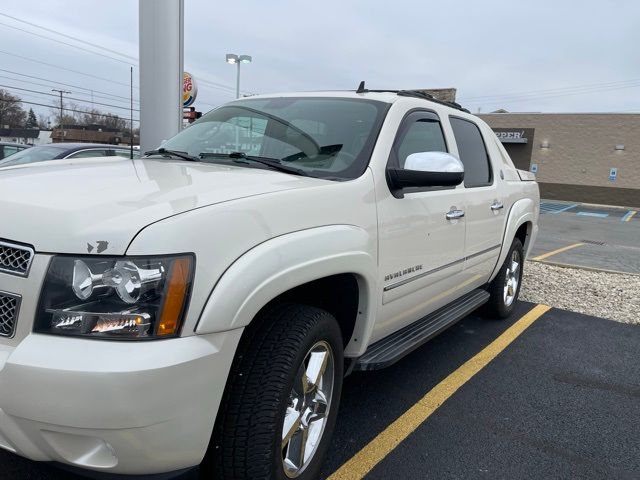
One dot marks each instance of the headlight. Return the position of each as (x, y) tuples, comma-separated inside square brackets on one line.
[(127, 298)]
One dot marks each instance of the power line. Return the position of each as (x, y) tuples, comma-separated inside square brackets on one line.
[(65, 84), (65, 109), (63, 68), (217, 85), (50, 30), (536, 93), (204, 81), (67, 44), (49, 86), (53, 105), (550, 90), (557, 95), (68, 98)]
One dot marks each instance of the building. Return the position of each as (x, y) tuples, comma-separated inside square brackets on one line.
[(582, 157), (442, 94), (25, 136), (92, 134)]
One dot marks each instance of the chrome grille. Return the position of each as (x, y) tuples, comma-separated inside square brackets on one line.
[(9, 307), (14, 258)]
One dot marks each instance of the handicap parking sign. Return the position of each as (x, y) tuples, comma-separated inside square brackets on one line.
[(613, 174)]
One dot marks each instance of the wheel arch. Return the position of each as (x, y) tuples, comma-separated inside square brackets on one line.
[(323, 267), (521, 224)]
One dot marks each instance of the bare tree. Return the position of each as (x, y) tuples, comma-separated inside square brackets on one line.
[(11, 112), (44, 122), (70, 115), (114, 121), (92, 116), (73, 114)]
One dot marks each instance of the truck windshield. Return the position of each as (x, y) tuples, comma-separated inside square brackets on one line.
[(329, 138)]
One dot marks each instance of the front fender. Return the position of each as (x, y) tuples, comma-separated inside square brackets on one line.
[(282, 263), (522, 211)]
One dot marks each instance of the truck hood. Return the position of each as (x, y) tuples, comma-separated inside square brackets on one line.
[(99, 205)]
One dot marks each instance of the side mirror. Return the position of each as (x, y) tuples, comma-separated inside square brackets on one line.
[(427, 169)]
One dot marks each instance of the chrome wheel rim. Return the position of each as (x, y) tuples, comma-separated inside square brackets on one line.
[(512, 278), (308, 409)]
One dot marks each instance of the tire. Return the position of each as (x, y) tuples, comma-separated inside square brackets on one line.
[(264, 390), (501, 304)]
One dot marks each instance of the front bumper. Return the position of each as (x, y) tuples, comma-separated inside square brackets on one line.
[(117, 407)]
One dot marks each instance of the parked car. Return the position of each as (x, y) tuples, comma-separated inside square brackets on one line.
[(58, 151), (9, 148), (202, 305)]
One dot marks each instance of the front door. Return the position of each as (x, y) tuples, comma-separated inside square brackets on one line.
[(421, 251)]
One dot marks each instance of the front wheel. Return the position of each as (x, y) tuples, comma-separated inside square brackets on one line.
[(281, 401), (505, 287)]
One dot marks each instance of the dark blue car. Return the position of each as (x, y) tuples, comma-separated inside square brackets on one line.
[(57, 151)]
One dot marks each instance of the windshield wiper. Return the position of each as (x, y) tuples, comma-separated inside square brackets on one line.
[(172, 153), (241, 157)]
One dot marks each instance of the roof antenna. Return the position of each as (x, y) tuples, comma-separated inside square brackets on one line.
[(361, 88)]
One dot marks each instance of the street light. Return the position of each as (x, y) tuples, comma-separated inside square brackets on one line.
[(238, 59)]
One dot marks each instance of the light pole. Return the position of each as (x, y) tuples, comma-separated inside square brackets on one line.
[(238, 59)]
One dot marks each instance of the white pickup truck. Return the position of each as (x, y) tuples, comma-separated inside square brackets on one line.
[(201, 305)]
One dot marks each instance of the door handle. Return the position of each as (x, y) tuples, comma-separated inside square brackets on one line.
[(454, 214), (497, 206)]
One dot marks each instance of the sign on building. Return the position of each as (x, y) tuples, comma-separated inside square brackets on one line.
[(516, 136)]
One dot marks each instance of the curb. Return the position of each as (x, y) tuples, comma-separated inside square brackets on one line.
[(582, 267)]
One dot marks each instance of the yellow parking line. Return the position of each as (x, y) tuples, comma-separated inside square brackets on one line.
[(554, 252), (378, 448), (629, 215)]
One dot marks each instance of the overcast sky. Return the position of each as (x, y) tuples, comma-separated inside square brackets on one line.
[(551, 56)]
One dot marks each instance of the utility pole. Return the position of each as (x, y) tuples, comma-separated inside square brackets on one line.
[(131, 118), (61, 92)]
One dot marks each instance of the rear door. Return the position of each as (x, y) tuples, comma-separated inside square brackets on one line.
[(484, 208)]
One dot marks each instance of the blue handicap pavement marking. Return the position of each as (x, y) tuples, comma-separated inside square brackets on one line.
[(549, 207), (593, 214)]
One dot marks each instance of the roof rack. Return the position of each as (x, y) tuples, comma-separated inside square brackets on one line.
[(413, 93)]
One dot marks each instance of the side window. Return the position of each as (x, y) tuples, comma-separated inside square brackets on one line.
[(8, 150), (88, 153), (126, 153), (419, 134), (473, 153)]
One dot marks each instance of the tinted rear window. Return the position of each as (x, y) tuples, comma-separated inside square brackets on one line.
[(473, 152)]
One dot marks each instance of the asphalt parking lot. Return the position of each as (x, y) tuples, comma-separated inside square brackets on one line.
[(603, 238), (559, 399)]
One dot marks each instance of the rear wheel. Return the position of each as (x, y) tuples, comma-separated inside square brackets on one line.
[(505, 287), (280, 404)]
